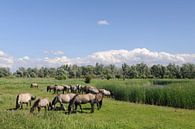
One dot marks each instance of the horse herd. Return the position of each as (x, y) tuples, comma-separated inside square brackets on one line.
[(75, 96)]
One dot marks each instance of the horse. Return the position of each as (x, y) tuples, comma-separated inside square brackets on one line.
[(84, 99), (90, 89), (105, 92), (34, 85), (79, 89), (24, 98), (67, 88), (73, 89), (40, 103), (50, 88), (59, 88), (62, 99)]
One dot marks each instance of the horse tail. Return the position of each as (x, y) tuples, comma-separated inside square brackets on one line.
[(47, 88), (34, 105), (72, 101), (17, 103)]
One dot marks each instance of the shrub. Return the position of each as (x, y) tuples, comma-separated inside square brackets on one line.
[(88, 79)]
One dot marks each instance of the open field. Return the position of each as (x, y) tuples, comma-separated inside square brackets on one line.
[(113, 115)]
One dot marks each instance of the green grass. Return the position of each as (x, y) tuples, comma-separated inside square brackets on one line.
[(113, 115), (175, 93)]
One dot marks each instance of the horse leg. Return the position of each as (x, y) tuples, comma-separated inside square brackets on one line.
[(100, 104), (39, 109), (80, 108), (75, 107), (92, 107), (21, 106), (30, 102), (62, 106)]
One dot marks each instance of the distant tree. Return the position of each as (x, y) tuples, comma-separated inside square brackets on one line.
[(158, 71), (61, 74), (4, 72), (125, 69), (188, 71), (173, 71)]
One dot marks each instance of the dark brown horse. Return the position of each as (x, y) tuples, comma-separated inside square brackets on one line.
[(50, 88)]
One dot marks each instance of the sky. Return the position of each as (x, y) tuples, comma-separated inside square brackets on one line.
[(50, 33)]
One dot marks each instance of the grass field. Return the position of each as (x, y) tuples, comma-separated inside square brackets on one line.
[(113, 115)]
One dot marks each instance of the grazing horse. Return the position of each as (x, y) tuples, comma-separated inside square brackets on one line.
[(40, 103), (79, 88), (24, 98), (59, 88), (84, 99), (105, 92), (34, 85), (50, 88), (62, 99), (73, 89), (67, 88), (90, 89)]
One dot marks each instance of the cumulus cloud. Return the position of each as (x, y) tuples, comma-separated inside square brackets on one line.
[(6, 60), (116, 57), (58, 52), (103, 22)]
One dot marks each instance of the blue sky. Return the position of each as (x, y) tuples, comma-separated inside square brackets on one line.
[(30, 27)]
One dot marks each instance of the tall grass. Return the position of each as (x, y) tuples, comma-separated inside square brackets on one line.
[(175, 93)]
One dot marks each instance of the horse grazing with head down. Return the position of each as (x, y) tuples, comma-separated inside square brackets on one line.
[(50, 88), (62, 99), (40, 103), (59, 88), (84, 99), (34, 85), (24, 98)]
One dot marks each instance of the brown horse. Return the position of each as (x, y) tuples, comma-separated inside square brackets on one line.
[(59, 88), (24, 98), (50, 88), (40, 103), (90, 89), (84, 99), (34, 85), (62, 99)]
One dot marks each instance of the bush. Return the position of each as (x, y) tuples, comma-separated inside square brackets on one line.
[(88, 79)]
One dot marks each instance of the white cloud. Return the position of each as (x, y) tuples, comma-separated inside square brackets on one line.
[(103, 22), (56, 53), (25, 58), (6, 60), (116, 57)]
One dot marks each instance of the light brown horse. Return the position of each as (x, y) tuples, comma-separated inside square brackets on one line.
[(84, 99), (34, 85), (24, 98), (105, 92), (40, 103), (62, 99), (59, 88), (90, 89)]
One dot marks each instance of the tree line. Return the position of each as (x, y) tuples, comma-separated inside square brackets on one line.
[(111, 71)]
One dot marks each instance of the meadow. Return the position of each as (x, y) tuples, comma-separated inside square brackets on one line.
[(117, 113)]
